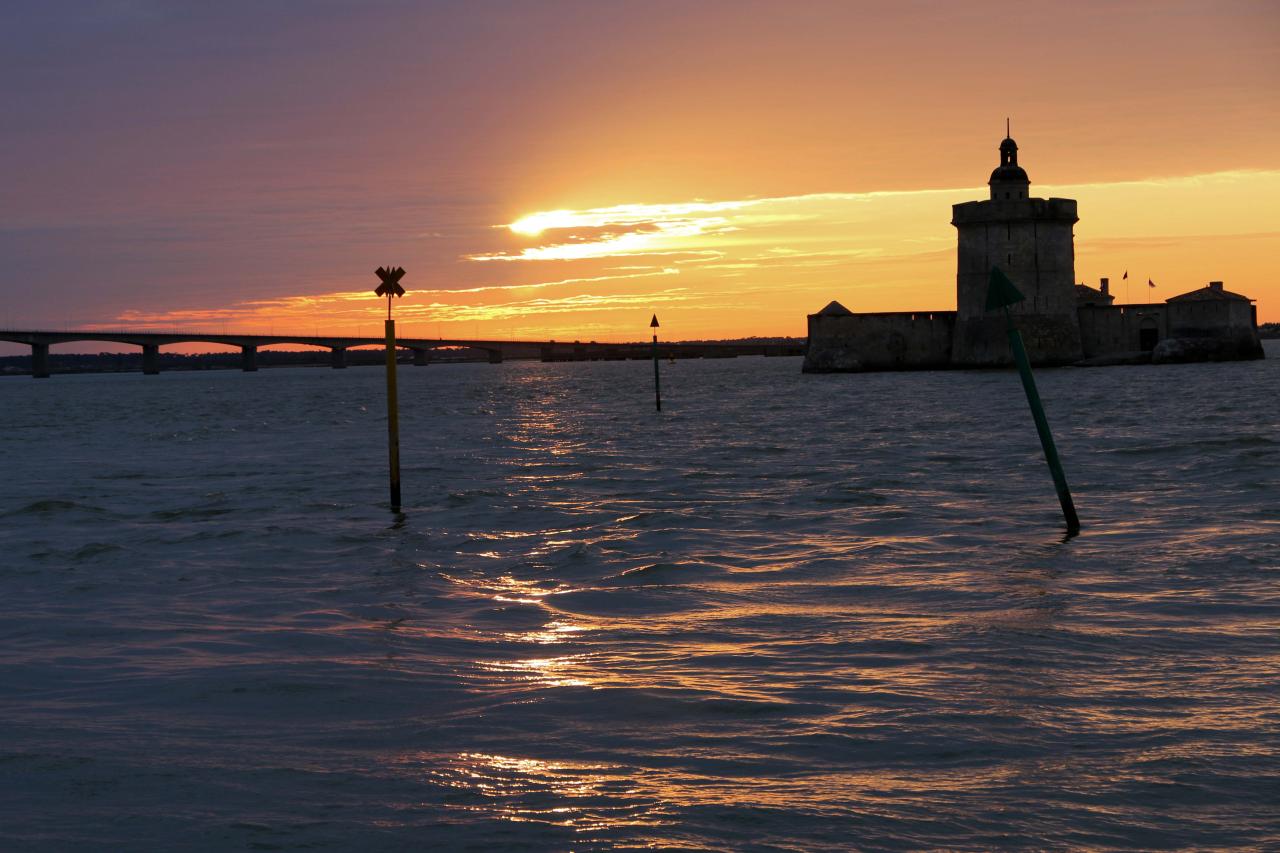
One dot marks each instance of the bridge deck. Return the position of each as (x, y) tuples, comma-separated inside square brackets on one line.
[(552, 350)]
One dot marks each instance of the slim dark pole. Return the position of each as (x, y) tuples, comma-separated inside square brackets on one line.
[(1042, 426), (393, 416), (1001, 294), (657, 382)]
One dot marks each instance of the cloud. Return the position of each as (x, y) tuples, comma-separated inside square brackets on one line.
[(579, 303), (359, 306), (869, 224), (675, 228), (896, 249), (563, 281)]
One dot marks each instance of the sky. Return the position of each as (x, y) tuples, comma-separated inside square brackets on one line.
[(566, 169)]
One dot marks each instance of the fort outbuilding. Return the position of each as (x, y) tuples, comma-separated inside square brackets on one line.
[(1062, 322)]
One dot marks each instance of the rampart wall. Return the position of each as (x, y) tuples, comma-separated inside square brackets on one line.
[(1109, 329), (1211, 330), (888, 341)]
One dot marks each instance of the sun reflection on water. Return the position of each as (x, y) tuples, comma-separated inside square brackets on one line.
[(582, 796), (556, 631), (506, 588), (542, 672)]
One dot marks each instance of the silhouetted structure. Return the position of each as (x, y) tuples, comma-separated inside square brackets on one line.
[(1032, 240), (422, 348), (1062, 322)]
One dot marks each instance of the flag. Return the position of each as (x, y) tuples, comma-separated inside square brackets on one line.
[(1126, 274), (1150, 283)]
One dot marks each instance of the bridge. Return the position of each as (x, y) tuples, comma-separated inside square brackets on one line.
[(421, 348)]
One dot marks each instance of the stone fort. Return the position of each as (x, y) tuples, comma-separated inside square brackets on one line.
[(1062, 322)]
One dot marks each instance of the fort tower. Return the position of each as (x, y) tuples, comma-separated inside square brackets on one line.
[(1031, 239), (1061, 322)]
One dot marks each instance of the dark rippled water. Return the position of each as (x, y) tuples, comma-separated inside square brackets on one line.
[(788, 613)]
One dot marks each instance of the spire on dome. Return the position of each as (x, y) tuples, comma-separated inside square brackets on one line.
[(1009, 180)]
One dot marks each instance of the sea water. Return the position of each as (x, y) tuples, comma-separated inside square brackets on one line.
[(788, 612)]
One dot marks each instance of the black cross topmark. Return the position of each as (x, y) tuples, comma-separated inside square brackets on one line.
[(390, 281)]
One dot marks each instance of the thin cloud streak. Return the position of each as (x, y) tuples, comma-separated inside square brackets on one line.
[(669, 228), (585, 302), (340, 306), (563, 281)]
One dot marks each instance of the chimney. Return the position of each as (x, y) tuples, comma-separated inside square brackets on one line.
[(1106, 287), (1215, 285)]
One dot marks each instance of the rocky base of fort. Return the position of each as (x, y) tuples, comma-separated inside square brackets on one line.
[(840, 356), (1186, 350), (1116, 358), (832, 359)]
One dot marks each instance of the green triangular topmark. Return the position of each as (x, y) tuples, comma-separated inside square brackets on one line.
[(1000, 291)]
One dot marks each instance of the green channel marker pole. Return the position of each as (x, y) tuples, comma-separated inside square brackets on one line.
[(657, 384), (1001, 293)]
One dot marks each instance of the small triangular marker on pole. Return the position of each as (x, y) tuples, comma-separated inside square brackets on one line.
[(1001, 292), (657, 383)]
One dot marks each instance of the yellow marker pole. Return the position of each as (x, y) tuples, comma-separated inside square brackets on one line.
[(393, 419), (390, 288)]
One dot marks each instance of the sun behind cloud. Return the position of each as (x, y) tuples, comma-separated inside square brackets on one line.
[(757, 266)]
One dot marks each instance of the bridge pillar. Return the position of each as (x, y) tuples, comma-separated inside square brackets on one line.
[(420, 358), (495, 356), (150, 359), (39, 361), (248, 358), (339, 358)]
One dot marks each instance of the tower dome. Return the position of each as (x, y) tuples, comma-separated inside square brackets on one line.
[(1009, 180)]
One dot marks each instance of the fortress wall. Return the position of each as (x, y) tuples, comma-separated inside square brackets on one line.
[(1114, 329), (1192, 330), (1050, 340), (1209, 317), (1230, 325), (889, 341)]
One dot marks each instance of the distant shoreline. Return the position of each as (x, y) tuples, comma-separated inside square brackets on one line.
[(131, 362)]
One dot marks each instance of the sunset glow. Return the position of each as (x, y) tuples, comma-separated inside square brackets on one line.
[(769, 261), (734, 195)]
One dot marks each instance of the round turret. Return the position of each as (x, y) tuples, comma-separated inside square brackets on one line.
[(1009, 180)]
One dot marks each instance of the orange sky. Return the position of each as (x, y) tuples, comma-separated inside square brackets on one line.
[(731, 166)]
